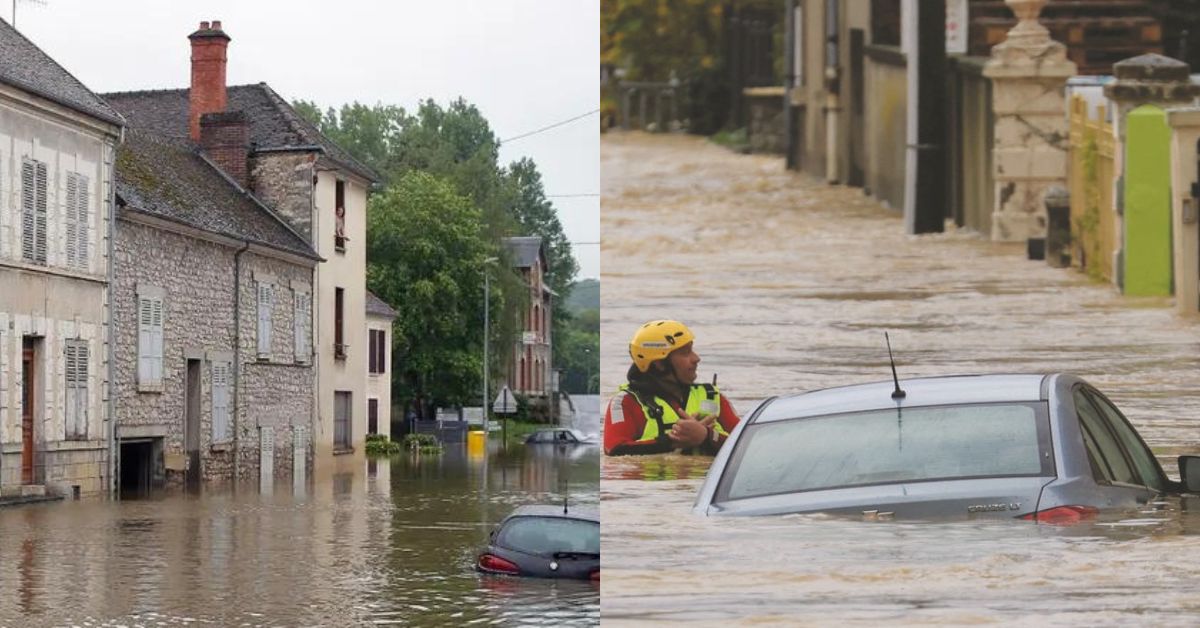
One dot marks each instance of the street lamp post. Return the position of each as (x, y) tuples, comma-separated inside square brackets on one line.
[(486, 336), (587, 371)]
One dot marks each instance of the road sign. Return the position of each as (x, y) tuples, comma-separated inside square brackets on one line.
[(505, 402)]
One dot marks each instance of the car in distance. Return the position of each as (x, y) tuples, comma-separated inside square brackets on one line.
[(559, 436), (1047, 448), (545, 542)]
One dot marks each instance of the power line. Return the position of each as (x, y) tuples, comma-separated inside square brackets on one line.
[(547, 128), (583, 195), (584, 243)]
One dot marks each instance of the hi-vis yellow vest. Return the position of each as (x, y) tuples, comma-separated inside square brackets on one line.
[(702, 399)]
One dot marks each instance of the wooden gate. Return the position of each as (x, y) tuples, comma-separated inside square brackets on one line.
[(1091, 184)]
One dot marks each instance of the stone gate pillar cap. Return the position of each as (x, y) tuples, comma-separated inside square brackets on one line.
[(1152, 67)]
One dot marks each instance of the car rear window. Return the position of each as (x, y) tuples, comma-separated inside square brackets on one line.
[(545, 536), (889, 446)]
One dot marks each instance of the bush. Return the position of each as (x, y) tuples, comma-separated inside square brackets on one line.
[(381, 445), (422, 443)]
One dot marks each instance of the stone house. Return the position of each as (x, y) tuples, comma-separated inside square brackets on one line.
[(379, 367), (212, 317), (318, 189), (57, 141), (529, 373)]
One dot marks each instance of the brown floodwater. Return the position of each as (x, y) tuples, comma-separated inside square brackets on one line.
[(789, 285), (393, 543)]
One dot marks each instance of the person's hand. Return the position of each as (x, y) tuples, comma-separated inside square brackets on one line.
[(689, 432)]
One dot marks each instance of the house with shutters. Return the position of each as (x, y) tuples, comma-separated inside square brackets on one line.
[(379, 365), (57, 142), (530, 372), (256, 139), (212, 298)]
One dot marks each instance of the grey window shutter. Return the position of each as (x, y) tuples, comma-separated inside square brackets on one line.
[(28, 219), (299, 326), (82, 231), (156, 336), (39, 206), (77, 358), (145, 326), (264, 319)]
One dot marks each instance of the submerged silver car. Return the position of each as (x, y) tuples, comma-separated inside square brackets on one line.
[(1048, 448)]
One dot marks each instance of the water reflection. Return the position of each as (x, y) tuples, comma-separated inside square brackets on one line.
[(394, 542), (789, 284)]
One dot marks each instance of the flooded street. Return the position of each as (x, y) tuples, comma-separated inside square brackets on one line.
[(393, 544), (789, 285)]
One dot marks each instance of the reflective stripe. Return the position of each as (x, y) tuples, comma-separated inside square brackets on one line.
[(702, 399), (616, 408)]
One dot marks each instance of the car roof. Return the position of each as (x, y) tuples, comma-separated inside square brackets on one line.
[(546, 510), (926, 391)]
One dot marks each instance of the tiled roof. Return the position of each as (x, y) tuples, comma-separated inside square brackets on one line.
[(169, 179), (274, 124), (376, 306), (25, 66), (525, 250)]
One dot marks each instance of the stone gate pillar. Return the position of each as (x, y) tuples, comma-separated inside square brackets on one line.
[(1185, 206), (1029, 72), (1149, 79)]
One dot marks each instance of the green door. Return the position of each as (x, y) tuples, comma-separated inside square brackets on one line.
[(1147, 203)]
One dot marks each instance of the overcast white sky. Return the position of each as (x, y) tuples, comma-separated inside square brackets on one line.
[(525, 63)]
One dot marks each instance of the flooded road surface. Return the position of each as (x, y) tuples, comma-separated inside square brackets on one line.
[(789, 285), (394, 544)]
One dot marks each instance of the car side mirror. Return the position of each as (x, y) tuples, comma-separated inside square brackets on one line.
[(1189, 473)]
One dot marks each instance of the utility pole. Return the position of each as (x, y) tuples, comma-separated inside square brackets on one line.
[(925, 197), (487, 298)]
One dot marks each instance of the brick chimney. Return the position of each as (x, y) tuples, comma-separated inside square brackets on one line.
[(225, 138), (208, 74)]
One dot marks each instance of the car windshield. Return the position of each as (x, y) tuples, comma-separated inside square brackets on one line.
[(889, 446), (546, 536)]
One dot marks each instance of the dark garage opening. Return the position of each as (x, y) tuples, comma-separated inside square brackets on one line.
[(139, 468)]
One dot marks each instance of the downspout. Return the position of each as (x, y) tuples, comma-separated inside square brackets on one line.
[(111, 277), (237, 361), (789, 82)]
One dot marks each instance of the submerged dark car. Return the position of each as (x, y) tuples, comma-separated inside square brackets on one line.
[(1048, 448), (559, 436), (545, 542)]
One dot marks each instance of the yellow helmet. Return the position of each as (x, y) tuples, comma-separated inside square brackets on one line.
[(657, 339)]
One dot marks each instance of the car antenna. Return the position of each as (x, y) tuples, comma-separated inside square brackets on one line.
[(564, 505), (896, 394)]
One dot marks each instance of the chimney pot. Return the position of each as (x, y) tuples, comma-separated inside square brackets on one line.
[(216, 25), (204, 26)]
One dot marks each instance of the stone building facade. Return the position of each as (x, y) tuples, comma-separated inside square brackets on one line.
[(530, 372), (314, 186), (57, 141), (212, 313)]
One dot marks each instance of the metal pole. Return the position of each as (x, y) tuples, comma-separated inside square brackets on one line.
[(486, 325)]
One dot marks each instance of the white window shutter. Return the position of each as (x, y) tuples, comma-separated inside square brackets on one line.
[(220, 401), (82, 231), (77, 358), (156, 337), (145, 328), (72, 221), (264, 319), (39, 206), (298, 325)]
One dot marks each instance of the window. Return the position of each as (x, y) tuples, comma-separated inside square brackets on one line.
[(266, 301), (76, 355), (887, 446), (150, 340), (33, 211), (77, 221), (221, 378), (545, 536), (1143, 460), (339, 204), (301, 315), (339, 337), (1110, 460), (372, 416), (378, 358), (341, 419)]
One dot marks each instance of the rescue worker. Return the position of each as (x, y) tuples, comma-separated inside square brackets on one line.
[(662, 408)]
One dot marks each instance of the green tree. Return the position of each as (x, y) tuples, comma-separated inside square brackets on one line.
[(578, 349), (425, 252)]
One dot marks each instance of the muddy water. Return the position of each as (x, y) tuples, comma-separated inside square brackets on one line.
[(392, 544), (789, 284)]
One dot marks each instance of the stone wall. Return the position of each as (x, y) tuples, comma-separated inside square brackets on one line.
[(284, 182), (765, 123), (886, 103)]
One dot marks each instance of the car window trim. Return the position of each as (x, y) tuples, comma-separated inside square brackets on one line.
[(1046, 455), (1106, 474), (1092, 395)]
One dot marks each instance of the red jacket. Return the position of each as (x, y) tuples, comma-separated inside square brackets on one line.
[(625, 422)]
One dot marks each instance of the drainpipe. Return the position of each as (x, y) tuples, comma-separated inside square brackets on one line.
[(237, 361), (111, 276), (789, 81)]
